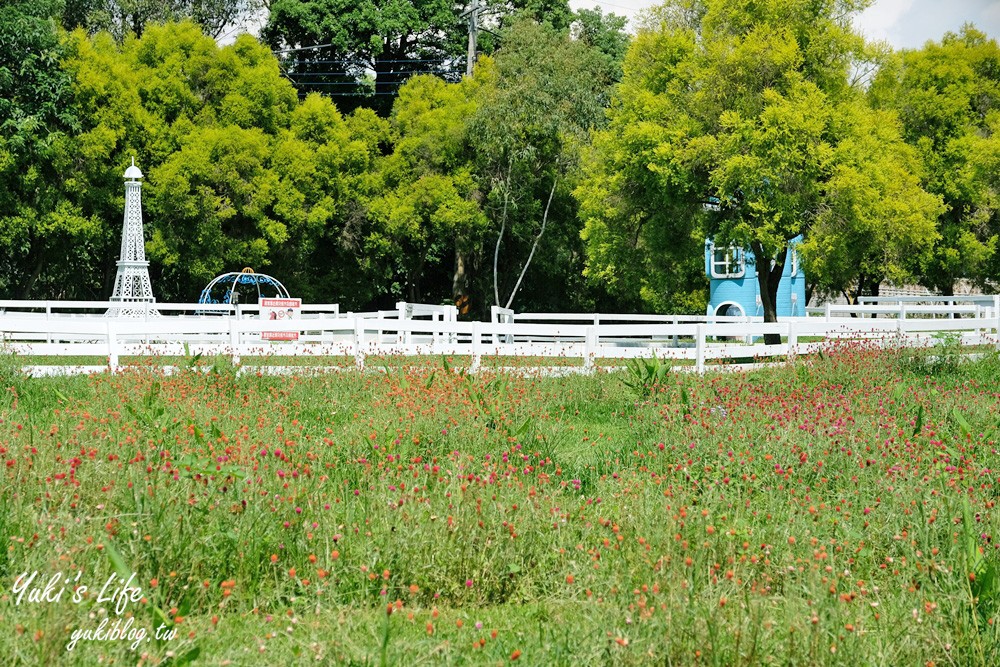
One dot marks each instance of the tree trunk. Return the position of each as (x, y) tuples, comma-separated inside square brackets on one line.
[(503, 228), (413, 281), (534, 247), (949, 290), (853, 299), (768, 279), (33, 278), (460, 282), (875, 288), (387, 77), (383, 87)]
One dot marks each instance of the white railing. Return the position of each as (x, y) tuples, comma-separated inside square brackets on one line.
[(982, 305), (414, 329), (981, 299)]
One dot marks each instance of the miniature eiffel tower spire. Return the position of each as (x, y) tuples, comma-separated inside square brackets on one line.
[(133, 289)]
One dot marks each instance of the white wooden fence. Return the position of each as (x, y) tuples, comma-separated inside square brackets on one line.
[(65, 329)]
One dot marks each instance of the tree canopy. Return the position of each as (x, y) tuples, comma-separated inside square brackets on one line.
[(578, 168), (948, 97), (732, 122), (354, 50), (239, 173), (361, 53), (121, 18), (42, 233)]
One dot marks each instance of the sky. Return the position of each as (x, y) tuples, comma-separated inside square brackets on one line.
[(902, 23)]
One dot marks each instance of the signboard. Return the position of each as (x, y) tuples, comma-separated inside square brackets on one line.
[(280, 310)]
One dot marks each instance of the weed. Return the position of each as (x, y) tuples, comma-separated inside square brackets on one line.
[(841, 511), (943, 358), (645, 376)]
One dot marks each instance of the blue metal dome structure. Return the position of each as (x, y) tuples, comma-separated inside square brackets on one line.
[(245, 286)]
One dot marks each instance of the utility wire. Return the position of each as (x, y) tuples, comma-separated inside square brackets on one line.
[(303, 48), (398, 72), (402, 60)]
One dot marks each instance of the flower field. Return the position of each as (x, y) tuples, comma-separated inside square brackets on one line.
[(838, 511)]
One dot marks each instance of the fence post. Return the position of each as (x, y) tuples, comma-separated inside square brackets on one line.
[(359, 342), (699, 341), (234, 340), (400, 315), (675, 339), (452, 318), (112, 346), (828, 304), (476, 352), (996, 319), (793, 341), (590, 348)]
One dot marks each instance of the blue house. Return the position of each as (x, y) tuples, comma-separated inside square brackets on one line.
[(733, 286)]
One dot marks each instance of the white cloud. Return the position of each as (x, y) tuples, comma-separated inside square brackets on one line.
[(877, 22), (902, 23), (911, 23)]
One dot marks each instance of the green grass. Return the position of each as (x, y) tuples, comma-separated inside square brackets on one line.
[(829, 512)]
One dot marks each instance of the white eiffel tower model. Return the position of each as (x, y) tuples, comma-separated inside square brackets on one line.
[(133, 289)]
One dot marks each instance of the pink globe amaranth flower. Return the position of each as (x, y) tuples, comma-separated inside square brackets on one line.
[(468, 583)]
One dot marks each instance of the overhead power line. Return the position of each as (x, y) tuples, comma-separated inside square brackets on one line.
[(348, 61), (406, 72), (303, 48)]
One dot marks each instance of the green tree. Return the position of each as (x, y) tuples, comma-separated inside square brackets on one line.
[(130, 17), (877, 223), (539, 101), (947, 95), (606, 33), (429, 209), (328, 169), (239, 173), (43, 237), (362, 51), (732, 116)]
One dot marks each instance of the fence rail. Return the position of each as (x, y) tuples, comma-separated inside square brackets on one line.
[(58, 329)]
